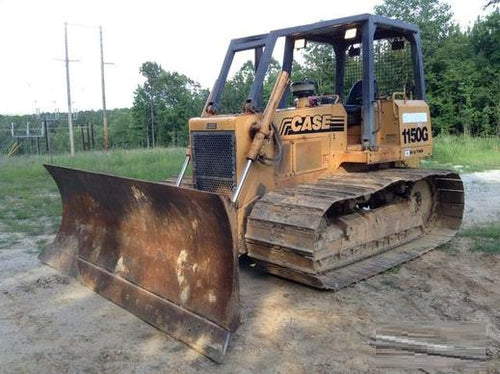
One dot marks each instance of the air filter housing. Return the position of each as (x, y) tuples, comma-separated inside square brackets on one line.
[(303, 88)]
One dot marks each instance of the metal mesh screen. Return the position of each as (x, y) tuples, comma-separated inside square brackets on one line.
[(393, 68), (214, 161), (353, 70)]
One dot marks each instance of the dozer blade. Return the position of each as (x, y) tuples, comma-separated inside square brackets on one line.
[(164, 253)]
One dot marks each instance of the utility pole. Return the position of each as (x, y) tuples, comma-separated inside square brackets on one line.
[(70, 114), (104, 114), (152, 121)]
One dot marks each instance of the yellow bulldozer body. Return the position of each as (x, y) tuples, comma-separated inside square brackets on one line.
[(317, 141), (324, 190)]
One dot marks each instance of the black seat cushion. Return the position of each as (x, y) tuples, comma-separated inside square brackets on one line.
[(354, 103), (353, 114), (355, 96)]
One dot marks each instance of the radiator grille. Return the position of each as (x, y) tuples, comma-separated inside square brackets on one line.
[(214, 161)]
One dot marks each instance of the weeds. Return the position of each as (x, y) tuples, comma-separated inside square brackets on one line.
[(391, 283), (464, 153), (7, 241), (449, 248), (29, 200), (486, 238), (41, 244), (394, 269), (155, 164)]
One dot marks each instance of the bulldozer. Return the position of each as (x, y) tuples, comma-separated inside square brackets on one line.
[(320, 188)]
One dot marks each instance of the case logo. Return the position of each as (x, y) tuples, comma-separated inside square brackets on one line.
[(311, 124)]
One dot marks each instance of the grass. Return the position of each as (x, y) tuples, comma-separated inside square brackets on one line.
[(155, 164), (41, 244), (465, 153), (7, 240), (394, 269), (449, 248), (29, 199), (486, 238), (391, 283), (30, 203)]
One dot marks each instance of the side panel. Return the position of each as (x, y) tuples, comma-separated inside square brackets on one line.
[(414, 129), (403, 134), (313, 138)]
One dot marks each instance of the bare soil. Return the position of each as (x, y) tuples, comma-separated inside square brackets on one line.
[(51, 324)]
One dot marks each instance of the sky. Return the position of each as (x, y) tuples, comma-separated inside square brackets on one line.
[(190, 37)]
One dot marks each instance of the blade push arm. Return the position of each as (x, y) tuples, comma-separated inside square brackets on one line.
[(264, 129)]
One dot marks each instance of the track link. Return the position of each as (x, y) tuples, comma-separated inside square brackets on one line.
[(346, 227)]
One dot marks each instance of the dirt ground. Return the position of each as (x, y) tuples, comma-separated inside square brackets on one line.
[(51, 324)]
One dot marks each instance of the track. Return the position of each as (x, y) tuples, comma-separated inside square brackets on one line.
[(346, 227)]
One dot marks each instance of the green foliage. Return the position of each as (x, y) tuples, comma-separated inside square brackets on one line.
[(465, 153), (153, 164), (434, 17), (271, 76), (237, 88), (20, 122), (486, 237), (29, 198), (119, 121), (122, 130), (491, 3), (163, 105), (464, 87), (318, 66), (462, 68)]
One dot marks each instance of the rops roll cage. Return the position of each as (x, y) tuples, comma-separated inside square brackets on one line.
[(369, 28)]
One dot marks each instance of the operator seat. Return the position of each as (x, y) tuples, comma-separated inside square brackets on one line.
[(354, 102)]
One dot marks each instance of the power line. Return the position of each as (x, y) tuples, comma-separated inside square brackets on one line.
[(68, 85)]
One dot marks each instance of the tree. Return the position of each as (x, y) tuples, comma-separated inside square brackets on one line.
[(141, 114), (491, 3), (164, 104), (434, 17), (123, 134), (485, 47), (236, 89), (151, 87), (449, 85), (318, 66), (181, 99), (271, 76)]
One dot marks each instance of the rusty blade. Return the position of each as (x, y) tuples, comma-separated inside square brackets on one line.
[(163, 253)]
